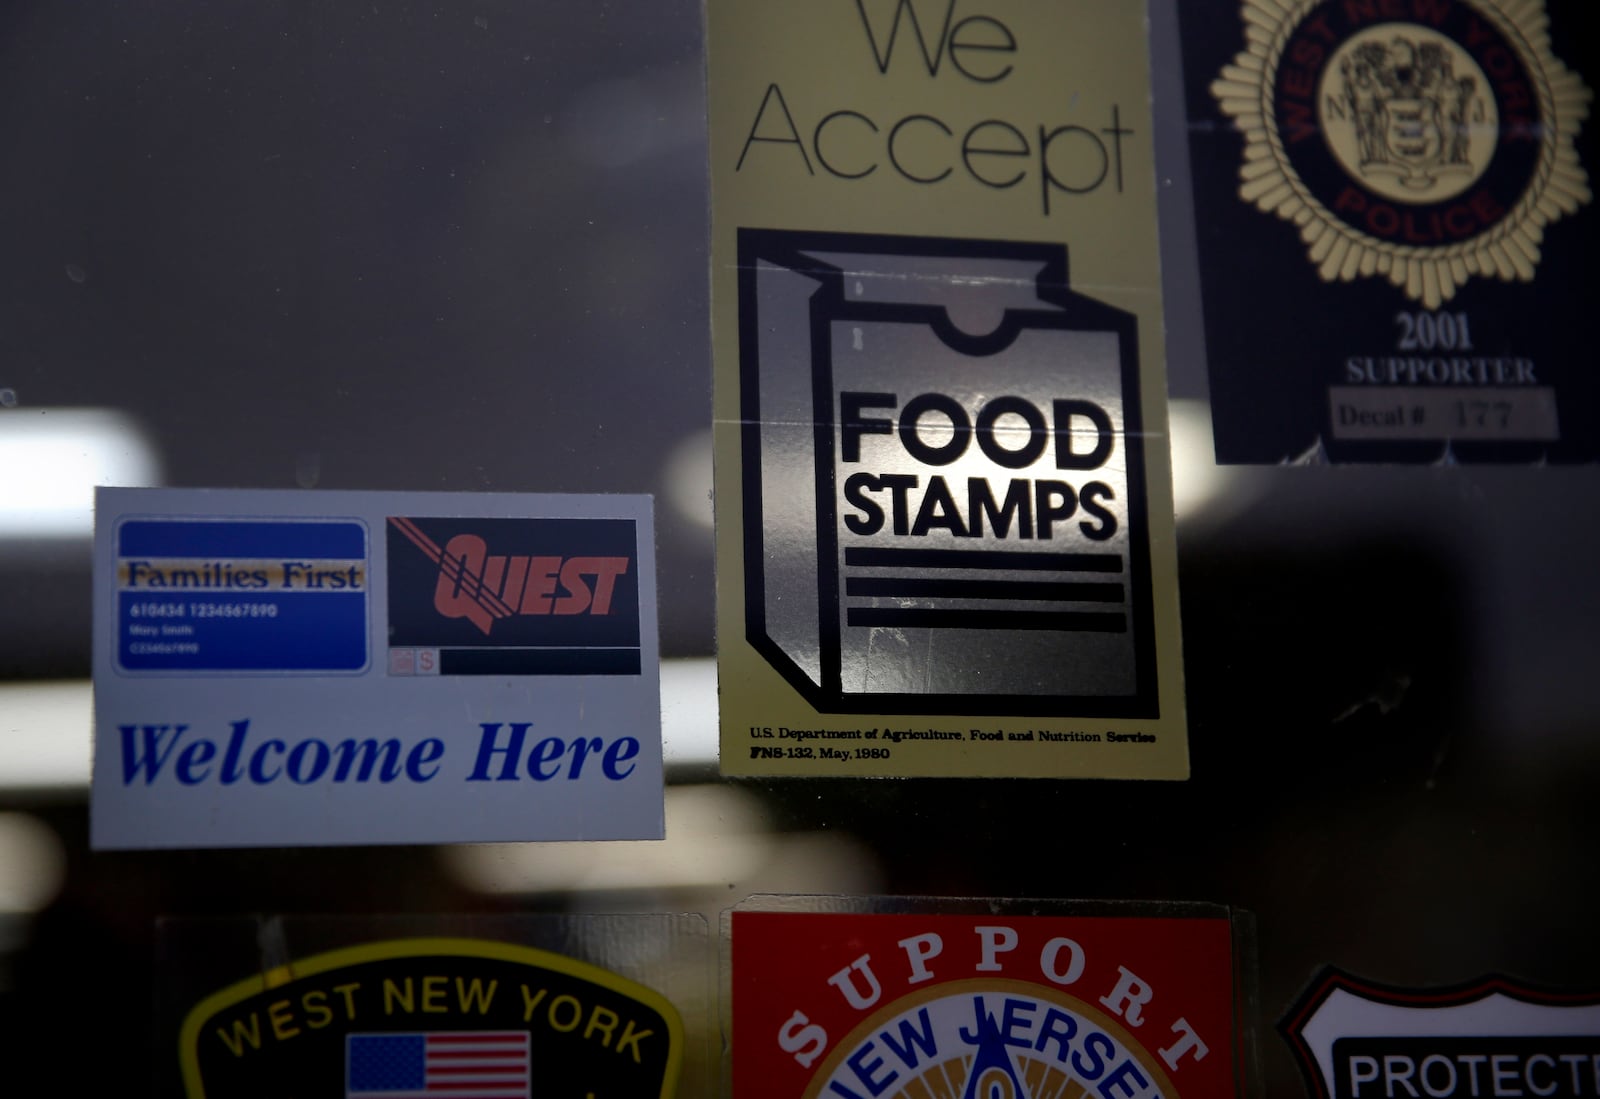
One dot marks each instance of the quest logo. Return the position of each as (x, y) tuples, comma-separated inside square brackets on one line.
[(513, 596)]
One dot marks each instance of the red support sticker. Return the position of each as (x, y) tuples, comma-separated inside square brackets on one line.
[(831, 1005)]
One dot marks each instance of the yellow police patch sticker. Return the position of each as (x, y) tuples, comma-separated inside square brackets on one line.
[(433, 1016)]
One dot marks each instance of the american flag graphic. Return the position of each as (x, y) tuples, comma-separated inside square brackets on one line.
[(461, 1064)]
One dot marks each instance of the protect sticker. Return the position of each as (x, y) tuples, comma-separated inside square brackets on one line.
[(325, 668), (944, 511), (832, 1005), (1357, 1039), (433, 1017), (1395, 228)]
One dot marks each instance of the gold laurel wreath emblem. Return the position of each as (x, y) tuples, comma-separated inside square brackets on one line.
[(1508, 250)]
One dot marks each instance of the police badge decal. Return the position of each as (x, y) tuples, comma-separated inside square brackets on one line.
[(1395, 228), (1427, 142)]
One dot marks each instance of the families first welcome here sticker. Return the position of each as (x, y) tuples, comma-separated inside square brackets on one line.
[(321, 668)]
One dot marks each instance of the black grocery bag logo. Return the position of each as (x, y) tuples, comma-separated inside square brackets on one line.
[(942, 509)]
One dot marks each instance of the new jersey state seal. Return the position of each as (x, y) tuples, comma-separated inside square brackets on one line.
[(1428, 142)]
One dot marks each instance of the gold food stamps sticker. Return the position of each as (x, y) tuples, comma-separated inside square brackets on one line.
[(1427, 142)]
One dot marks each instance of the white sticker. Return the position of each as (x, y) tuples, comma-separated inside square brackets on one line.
[(282, 668)]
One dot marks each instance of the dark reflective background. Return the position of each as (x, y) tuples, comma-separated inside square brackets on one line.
[(367, 245), (412, 246)]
